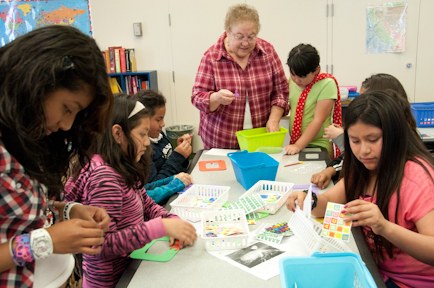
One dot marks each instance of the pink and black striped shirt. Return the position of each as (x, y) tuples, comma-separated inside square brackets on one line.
[(135, 220), (263, 81)]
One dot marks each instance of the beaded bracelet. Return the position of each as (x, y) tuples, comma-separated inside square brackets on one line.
[(67, 209), (22, 253)]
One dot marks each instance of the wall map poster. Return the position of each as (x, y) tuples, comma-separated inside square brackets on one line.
[(20, 17)]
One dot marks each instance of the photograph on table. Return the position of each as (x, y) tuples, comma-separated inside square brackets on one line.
[(255, 254)]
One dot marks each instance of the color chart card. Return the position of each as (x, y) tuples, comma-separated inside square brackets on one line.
[(334, 225)]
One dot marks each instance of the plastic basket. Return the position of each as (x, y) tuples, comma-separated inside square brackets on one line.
[(325, 270), (423, 113), (199, 198), (309, 233), (249, 167), (252, 139), (274, 194), (225, 218)]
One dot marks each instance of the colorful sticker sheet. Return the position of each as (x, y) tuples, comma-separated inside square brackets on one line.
[(334, 225), (248, 204), (274, 233)]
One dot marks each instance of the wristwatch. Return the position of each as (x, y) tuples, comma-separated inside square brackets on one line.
[(41, 243)]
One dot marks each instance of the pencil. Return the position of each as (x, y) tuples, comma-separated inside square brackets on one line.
[(292, 164)]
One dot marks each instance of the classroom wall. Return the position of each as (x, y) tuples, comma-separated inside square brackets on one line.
[(175, 50)]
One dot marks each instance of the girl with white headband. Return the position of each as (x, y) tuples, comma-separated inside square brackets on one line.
[(114, 180)]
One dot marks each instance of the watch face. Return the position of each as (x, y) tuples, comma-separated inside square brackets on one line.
[(41, 244), (41, 247)]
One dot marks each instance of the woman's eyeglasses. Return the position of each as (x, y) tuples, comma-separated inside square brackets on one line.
[(240, 37)]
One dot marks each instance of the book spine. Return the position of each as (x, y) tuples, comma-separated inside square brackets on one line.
[(133, 60), (117, 60), (112, 59), (122, 59), (127, 60)]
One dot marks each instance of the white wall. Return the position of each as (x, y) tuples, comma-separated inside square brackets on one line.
[(196, 25)]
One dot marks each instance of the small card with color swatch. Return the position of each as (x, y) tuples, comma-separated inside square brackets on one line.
[(334, 225)]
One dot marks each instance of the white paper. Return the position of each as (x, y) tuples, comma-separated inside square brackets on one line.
[(219, 152), (307, 203)]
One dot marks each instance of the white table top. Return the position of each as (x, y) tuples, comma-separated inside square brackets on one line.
[(427, 134), (194, 266)]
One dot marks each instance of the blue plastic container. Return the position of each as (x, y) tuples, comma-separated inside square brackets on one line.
[(423, 113), (343, 269), (250, 167)]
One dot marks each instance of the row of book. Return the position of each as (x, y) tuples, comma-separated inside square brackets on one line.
[(132, 84), (119, 59)]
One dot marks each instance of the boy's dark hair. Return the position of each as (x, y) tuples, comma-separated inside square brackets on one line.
[(383, 81), (400, 144), (151, 99), (33, 66), (134, 173), (302, 60)]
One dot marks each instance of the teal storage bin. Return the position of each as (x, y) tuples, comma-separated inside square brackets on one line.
[(343, 269), (250, 167)]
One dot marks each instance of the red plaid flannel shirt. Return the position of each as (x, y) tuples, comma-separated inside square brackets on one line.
[(263, 80), (21, 211)]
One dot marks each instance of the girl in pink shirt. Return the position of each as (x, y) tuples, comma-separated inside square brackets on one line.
[(113, 180), (389, 189)]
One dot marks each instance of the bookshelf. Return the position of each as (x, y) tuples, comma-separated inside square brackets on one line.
[(131, 82)]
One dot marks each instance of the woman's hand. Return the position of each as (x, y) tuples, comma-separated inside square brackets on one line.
[(292, 149), (91, 213), (322, 179), (77, 236), (364, 213), (272, 125), (184, 177), (222, 97), (333, 131), (294, 199), (181, 230)]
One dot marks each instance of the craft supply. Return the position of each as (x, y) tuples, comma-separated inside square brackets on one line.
[(143, 253), (212, 165), (272, 193), (280, 229), (294, 163), (248, 204), (334, 225), (269, 237), (236, 94), (224, 229)]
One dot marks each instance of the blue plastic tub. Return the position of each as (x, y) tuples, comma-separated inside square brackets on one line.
[(343, 269), (250, 167), (423, 113)]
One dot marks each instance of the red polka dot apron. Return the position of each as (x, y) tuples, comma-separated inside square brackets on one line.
[(337, 111)]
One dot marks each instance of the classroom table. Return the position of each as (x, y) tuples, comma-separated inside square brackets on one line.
[(195, 267)]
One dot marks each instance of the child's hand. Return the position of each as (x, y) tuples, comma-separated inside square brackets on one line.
[(185, 137), (91, 213), (181, 230), (184, 177), (333, 131), (323, 178), (365, 213), (184, 149), (296, 197), (292, 149), (77, 236)]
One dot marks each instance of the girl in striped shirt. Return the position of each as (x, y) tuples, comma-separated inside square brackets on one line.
[(114, 180)]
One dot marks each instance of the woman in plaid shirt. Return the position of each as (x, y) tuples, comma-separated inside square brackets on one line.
[(240, 82), (54, 100)]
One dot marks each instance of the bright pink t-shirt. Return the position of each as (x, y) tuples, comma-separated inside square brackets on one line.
[(416, 200)]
